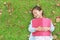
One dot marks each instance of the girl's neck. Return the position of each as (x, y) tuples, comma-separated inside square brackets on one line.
[(40, 16)]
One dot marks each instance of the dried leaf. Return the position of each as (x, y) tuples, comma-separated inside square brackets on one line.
[(28, 36), (58, 19), (53, 12), (54, 24), (0, 11), (5, 3), (57, 4), (22, 27), (54, 36)]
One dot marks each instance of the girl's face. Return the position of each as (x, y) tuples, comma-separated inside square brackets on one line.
[(37, 13)]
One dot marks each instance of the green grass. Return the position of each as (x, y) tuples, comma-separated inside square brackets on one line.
[(15, 26)]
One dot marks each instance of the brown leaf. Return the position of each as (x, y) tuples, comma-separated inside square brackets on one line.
[(0, 11), (22, 27), (53, 12), (5, 3), (58, 19), (58, 4), (58, 33), (9, 4), (30, 9), (54, 24), (28, 36), (54, 36)]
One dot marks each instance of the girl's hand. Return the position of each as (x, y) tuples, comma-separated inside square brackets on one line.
[(39, 28), (46, 28), (42, 28)]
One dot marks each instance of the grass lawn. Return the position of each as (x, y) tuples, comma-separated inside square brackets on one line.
[(15, 17)]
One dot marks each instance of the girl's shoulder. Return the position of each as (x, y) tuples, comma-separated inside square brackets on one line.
[(49, 19)]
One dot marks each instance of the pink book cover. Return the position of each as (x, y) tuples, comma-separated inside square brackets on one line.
[(44, 22)]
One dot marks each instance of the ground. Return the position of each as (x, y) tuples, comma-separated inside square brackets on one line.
[(15, 17)]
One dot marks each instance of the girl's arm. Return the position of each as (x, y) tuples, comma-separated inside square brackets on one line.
[(30, 28), (52, 27)]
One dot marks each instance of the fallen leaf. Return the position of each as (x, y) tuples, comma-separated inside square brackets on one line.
[(54, 24), (5, 3), (0, 11), (58, 4), (10, 14), (9, 4), (58, 33), (53, 12), (9, 10), (54, 36), (58, 19), (28, 36), (22, 27)]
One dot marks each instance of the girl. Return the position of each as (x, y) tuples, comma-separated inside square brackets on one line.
[(40, 32)]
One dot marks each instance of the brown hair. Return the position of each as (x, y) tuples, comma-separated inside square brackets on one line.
[(38, 8)]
